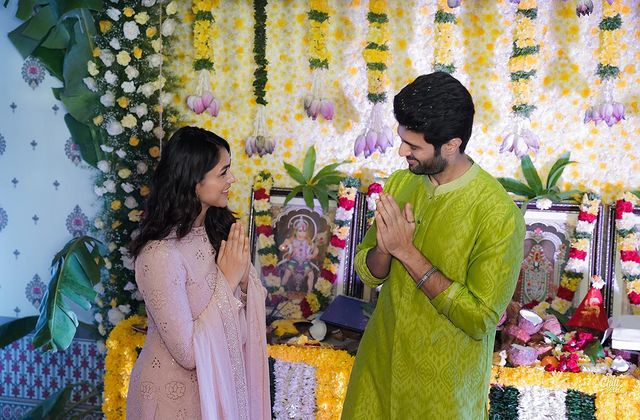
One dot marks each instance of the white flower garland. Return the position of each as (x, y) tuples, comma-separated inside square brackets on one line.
[(295, 390)]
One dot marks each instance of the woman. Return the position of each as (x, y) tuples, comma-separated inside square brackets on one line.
[(205, 352)]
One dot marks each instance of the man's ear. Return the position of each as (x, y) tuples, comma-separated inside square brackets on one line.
[(452, 146)]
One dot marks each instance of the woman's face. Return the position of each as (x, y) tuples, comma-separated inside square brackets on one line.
[(213, 190)]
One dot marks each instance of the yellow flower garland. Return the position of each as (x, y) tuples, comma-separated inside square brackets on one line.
[(445, 21), (319, 21), (376, 54), (524, 58), (122, 352), (609, 50)]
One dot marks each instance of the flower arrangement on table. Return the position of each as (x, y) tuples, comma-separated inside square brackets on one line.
[(316, 103), (445, 22), (376, 134), (627, 240), (608, 110), (203, 99), (132, 117), (260, 142)]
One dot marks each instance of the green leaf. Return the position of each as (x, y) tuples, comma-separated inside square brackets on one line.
[(58, 38), (326, 170), (636, 193), (23, 44), (322, 193), (52, 407), (88, 139), (25, 8), (15, 329), (531, 174), (524, 205), (594, 350), (557, 168), (295, 173), (52, 59), (566, 195), (516, 187), (307, 194), (329, 181), (75, 62), (293, 193), (74, 272), (65, 6), (554, 338), (41, 23), (309, 164)]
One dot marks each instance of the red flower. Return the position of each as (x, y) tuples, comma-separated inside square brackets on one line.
[(345, 203), (266, 230), (623, 206), (269, 269), (587, 217), (565, 293), (634, 298), (584, 338), (305, 308), (577, 254), (374, 188), (337, 242), (630, 256), (261, 194), (328, 275), (275, 299)]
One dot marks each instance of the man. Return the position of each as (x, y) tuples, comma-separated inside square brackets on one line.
[(447, 244)]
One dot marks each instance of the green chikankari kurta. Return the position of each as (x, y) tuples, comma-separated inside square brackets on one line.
[(431, 359)]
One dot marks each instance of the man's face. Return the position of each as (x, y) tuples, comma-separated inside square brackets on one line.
[(422, 157)]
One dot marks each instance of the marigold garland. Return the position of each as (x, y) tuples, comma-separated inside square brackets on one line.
[(577, 263), (316, 104), (445, 21), (376, 53), (333, 368), (123, 346), (524, 58), (627, 241)]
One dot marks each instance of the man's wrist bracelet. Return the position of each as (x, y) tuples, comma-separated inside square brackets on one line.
[(426, 276)]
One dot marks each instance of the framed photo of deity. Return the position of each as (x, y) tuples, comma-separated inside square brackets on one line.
[(622, 259), (562, 241), (304, 256)]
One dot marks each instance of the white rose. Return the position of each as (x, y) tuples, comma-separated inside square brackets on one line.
[(142, 168), (103, 165), (147, 89), (115, 44), (165, 98), (128, 87), (110, 77), (125, 309), (129, 286), (159, 132), (108, 99), (132, 72), (100, 191), (121, 153), (107, 57), (126, 187), (172, 8), (157, 44), (129, 121), (168, 27), (140, 110), (109, 185), (92, 68), (148, 3), (114, 128), (130, 203), (113, 13), (98, 224), (147, 126), (155, 60), (105, 148), (115, 316), (130, 30), (90, 83)]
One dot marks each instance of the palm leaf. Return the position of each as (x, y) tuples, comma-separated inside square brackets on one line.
[(16, 329), (295, 173), (309, 164), (74, 272), (531, 174), (516, 187), (557, 168), (293, 193)]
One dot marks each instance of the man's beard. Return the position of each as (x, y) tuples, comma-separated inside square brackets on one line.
[(433, 166)]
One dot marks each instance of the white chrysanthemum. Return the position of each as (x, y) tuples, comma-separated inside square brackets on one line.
[(100, 191), (129, 121), (131, 72), (148, 3), (125, 309), (147, 89), (112, 246), (115, 315), (127, 187), (124, 58), (141, 17), (147, 126), (103, 165), (92, 68), (172, 8), (630, 268), (106, 149), (115, 44), (159, 132), (121, 153), (168, 27), (130, 30), (109, 185), (110, 77), (137, 296), (142, 168), (114, 128), (155, 60), (107, 57), (543, 204), (90, 83), (130, 202), (98, 224), (140, 110), (584, 227), (108, 99), (114, 13), (128, 87), (156, 44)]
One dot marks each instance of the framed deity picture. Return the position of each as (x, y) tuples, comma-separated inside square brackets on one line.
[(622, 269), (291, 261), (548, 240)]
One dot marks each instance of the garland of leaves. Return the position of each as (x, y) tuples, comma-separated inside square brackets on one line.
[(577, 264), (127, 71), (260, 142), (628, 246), (203, 22), (445, 21), (318, 16)]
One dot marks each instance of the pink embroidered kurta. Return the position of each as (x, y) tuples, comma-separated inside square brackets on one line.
[(205, 354)]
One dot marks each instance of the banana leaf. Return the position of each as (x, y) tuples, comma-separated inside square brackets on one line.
[(74, 272), (309, 164), (88, 138), (531, 175), (52, 407), (16, 329)]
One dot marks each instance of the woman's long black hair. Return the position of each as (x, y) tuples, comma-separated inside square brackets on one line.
[(188, 156)]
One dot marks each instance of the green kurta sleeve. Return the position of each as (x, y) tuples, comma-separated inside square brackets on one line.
[(494, 264)]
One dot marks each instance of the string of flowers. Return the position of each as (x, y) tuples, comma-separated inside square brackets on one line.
[(316, 103), (445, 22), (628, 246), (332, 369), (376, 135), (608, 110), (267, 251), (132, 116), (260, 142), (123, 346), (577, 264), (295, 389), (522, 67), (373, 193), (203, 99)]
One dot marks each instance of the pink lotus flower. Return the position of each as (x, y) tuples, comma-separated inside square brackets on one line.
[(610, 113), (376, 136), (205, 102), (584, 7), (520, 143), (314, 107), (453, 3), (262, 145)]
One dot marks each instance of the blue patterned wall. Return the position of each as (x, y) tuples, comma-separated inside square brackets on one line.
[(46, 191)]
